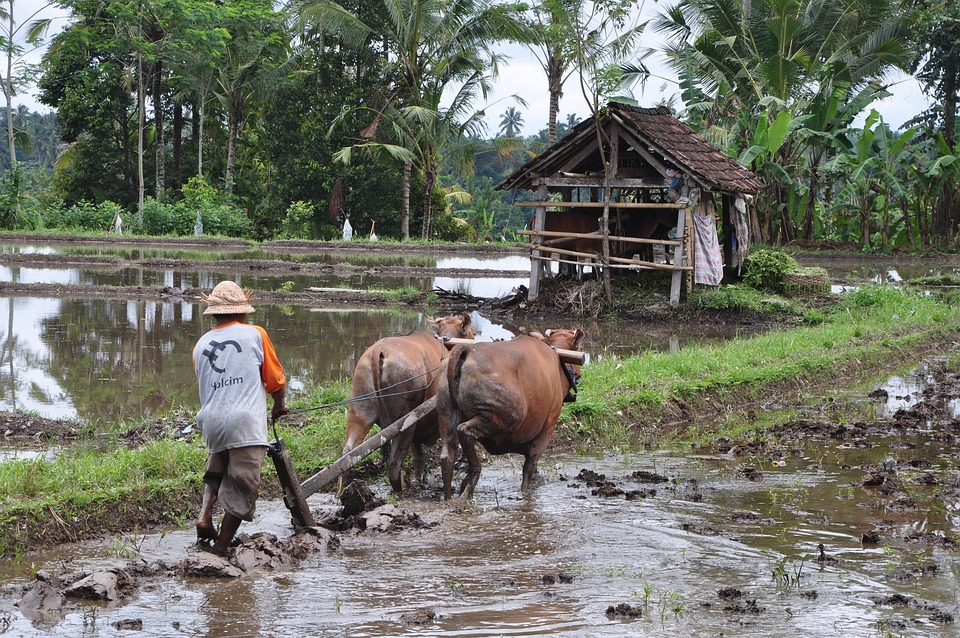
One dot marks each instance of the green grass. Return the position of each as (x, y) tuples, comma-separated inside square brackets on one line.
[(82, 474), (864, 327), (618, 399)]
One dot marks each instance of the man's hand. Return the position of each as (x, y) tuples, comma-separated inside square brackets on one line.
[(279, 405), (279, 409)]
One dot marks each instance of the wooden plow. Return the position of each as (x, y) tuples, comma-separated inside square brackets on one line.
[(295, 493)]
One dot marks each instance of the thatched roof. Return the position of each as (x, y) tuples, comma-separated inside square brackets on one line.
[(662, 139)]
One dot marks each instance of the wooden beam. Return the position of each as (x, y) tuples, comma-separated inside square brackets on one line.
[(562, 251), (677, 280), (597, 236), (567, 356), (333, 471), (668, 205), (622, 263), (536, 268)]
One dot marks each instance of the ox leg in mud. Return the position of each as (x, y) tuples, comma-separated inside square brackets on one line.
[(506, 396)]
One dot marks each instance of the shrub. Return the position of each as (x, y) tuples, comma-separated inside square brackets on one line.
[(298, 222), (765, 268), (87, 216)]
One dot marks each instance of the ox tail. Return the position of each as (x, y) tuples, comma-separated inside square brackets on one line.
[(377, 377), (454, 377)]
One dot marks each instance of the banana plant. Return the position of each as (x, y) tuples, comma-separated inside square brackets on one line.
[(871, 178)]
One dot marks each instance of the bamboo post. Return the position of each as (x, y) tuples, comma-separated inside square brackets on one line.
[(677, 280), (536, 265)]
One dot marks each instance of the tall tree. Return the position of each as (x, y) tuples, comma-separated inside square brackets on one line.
[(738, 60), (252, 61), (562, 31), (510, 122), (13, 37), (936, 34), (433, 48)]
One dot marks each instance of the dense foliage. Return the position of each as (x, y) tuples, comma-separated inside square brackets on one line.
[(300, 119)]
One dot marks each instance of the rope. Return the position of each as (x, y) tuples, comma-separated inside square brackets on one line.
[(378, 394)]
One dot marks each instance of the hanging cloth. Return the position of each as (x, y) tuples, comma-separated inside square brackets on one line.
[(708, 262)]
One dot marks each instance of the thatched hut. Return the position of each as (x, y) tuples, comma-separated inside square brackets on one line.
[(656, 210)]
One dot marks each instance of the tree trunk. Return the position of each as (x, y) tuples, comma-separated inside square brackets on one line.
[(8, 90), (865, 222), (176, 134), (811, 204), (555, 84), (946, 212), (907, 226), (405, 219), (141, 123), (231, 153), (429, 177), (158, 124), (198, 135)]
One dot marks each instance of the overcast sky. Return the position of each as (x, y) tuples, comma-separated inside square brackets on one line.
[(522, 75)]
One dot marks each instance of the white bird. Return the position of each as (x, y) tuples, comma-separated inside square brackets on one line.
[(373, 235)]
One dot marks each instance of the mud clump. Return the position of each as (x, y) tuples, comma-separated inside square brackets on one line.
[(607, 490), (643, 476), (937, 615), (104, 585), (559, 577), (623, 610), (591, 478), (747, 606), (358, 498), (424, 616)]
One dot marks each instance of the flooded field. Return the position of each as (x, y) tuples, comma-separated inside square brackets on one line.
[(792, 539), (841, 521)]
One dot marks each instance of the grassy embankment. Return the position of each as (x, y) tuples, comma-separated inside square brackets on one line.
[(87, 492)]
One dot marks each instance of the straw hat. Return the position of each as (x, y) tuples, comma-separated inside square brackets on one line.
[(227, 298)]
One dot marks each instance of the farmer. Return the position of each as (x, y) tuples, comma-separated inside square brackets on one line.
[(236, 367)]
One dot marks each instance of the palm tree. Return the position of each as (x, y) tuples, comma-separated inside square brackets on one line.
[(737, 61), (563, 30), (510, 122), (253, 58), (434, 49)]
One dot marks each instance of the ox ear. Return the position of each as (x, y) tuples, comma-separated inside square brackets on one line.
[(465, 320), (548, 333), (578, 336)]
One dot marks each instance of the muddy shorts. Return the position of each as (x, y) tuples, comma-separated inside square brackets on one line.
[(235, 474)]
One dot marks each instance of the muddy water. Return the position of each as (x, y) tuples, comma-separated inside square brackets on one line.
[(552, 562), (720, 522), (488, 287), (104, 360)]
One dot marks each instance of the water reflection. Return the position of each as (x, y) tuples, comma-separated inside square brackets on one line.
[(487, 287), (108, 359)]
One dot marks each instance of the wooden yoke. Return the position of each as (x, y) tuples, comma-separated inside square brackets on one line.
[(567, 356)]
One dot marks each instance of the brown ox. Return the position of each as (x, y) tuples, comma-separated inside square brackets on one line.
[(505, 395), (398, 374)]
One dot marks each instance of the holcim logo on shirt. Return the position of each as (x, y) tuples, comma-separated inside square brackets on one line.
[(211, 354)]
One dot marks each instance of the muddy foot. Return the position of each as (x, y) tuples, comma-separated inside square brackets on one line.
[(206, 531)]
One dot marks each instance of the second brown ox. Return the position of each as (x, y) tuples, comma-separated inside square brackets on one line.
[(506, 396), (394, 376)]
